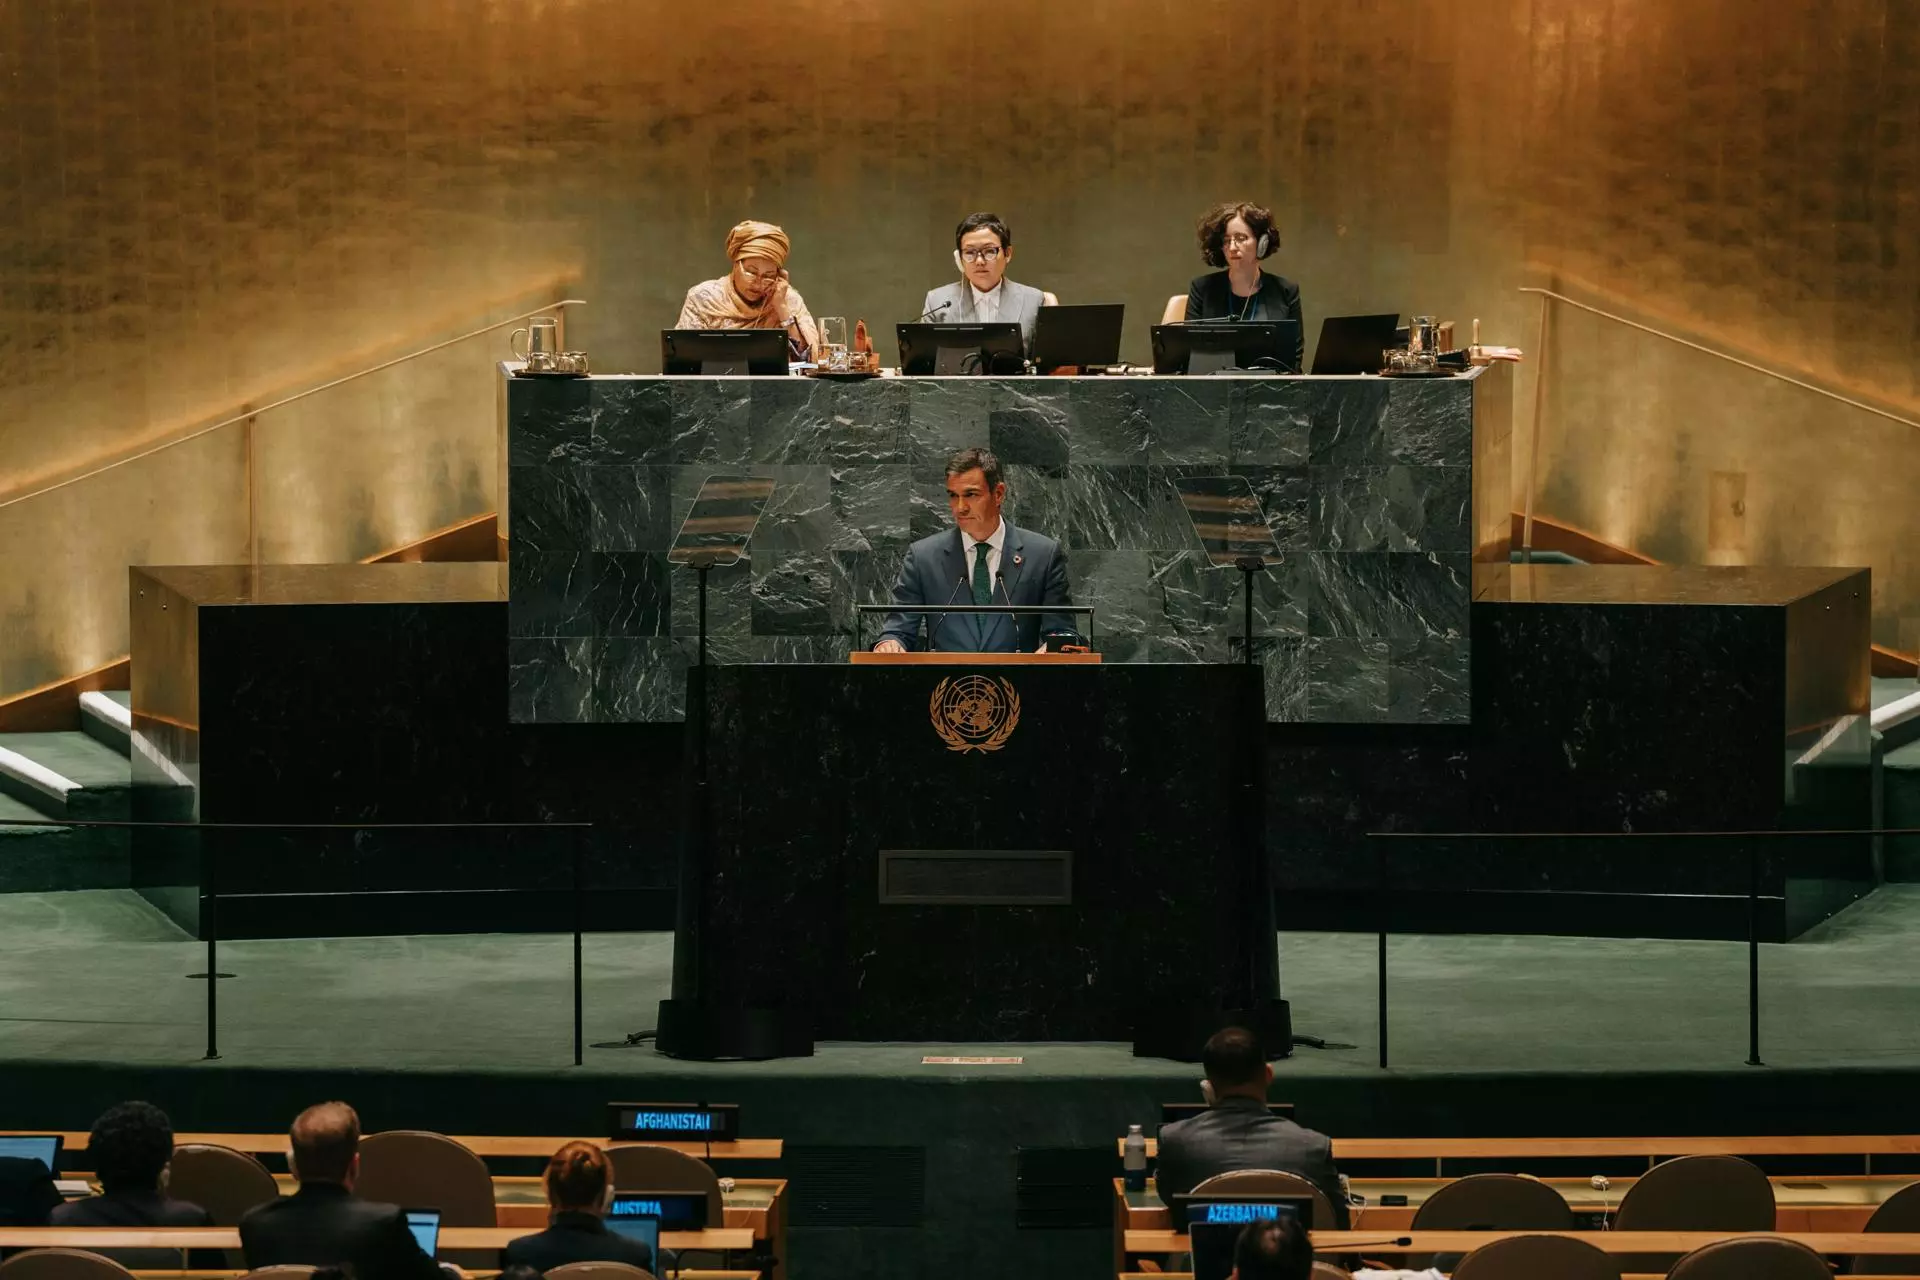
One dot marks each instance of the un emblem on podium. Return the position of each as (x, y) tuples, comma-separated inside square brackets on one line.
[(974, 713)]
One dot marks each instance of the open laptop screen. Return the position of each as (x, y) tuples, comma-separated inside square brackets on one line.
[(42, 1147), (625, 1218), (425, 1226)]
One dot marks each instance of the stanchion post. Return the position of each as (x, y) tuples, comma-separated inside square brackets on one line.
[(210, 925), (1753, 954), (1380, 896), (579, 1037)]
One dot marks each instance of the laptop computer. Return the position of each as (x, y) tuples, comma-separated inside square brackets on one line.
[(624, 1219), (951, 349), (44, 1147), (1078, 335), (724, 352), (1207, 346), (425, 1226), (1352, 344), (1214, 1224)]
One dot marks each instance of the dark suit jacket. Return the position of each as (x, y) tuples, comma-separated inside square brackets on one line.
[(325, 1225), (575, 1237), (1240, 1133), (27, 1193), (142, 1209), (1210, 297), (1033, 571)]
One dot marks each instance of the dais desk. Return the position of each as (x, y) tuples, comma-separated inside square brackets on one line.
[(868, 658), (490, 1145)]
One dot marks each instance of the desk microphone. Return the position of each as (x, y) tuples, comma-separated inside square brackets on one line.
[(1000, 585), (939, 618), (1401, 1242), (928, 315)]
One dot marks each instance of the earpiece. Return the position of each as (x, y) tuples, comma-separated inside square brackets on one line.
[(956, 263)]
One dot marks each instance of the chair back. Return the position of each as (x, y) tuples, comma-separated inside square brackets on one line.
[(1271, 1182), (1176, 311), (1694, 1193), (224, 1182), (1533, 1257), (1899, 1212), (427, 1171), (642, 1166), (1494, 1202), (62, 1264), (599, 1271), (1754, 1258), (281, 1271)]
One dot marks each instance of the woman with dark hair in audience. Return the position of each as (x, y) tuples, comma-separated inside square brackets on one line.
[(1237, 237), (579, 1182), (130, 1148)]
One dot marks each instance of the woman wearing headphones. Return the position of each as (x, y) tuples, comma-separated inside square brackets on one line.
[(1237, 236)]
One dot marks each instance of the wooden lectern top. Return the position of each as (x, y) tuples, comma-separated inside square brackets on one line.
[(867, 657)]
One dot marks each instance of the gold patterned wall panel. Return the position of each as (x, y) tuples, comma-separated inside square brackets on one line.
[(204, 203)]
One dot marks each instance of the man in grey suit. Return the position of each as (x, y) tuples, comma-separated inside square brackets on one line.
[(982, 250), (1238, 1132), (982, 560)]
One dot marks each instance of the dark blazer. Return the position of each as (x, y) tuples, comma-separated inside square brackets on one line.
[(1033, 571), (1240, 1133), (575, 1237), (27, 1193), (325, 1225), (142, 1209), (1210, 297)]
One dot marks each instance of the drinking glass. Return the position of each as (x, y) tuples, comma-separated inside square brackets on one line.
[(834, 340)]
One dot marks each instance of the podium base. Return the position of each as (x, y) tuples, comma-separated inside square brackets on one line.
[(713, 1033), (1179, 1034)]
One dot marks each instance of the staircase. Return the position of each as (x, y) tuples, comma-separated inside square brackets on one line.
[(75, 775)]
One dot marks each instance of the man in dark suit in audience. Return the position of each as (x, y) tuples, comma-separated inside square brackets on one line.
[(1238, 1132), (324, 1224), (129, 1149)]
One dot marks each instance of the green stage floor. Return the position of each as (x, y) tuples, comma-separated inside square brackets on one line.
[(99, 976)]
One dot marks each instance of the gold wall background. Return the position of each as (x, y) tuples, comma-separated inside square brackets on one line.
[(206, 202)]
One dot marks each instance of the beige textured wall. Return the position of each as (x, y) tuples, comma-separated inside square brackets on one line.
[(203, 202)]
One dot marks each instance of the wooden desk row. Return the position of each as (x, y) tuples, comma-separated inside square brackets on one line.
[(451, 1238), (1440, 1150), (1369, 1243), (504, 1146)]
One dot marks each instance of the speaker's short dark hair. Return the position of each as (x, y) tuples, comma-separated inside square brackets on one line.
[(130, 1144), (988, 221), (1233, 1057), (1277, 1249), (1213, 229), (967, 459)]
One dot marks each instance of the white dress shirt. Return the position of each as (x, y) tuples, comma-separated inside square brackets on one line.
[(994, 542), (986, 309)]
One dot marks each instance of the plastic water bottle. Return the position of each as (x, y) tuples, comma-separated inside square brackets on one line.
[(1136, 1159)]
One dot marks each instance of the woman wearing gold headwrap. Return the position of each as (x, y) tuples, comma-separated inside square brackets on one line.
[(756, 293)]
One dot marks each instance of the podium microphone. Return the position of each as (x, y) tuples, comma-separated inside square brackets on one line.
[(939, 618)]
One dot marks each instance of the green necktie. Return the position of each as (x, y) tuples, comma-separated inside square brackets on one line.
[(982, 581)]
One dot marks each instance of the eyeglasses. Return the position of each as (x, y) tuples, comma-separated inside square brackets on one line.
[(1239, 239), (761, 276), (988, 254)]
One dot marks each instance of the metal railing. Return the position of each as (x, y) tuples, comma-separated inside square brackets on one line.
[(1540, 382), (247, 417)]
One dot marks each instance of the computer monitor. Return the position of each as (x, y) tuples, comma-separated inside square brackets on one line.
[(1216, 347), (624, 1219), (1171, 1112), (1214, 1224), (44, 1147), (1077, 336), (1353, 344), (674, 1210), (425, 1226), (724, 352), (950, 349)]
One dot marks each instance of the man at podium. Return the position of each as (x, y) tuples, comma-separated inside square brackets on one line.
[(983, 560)]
